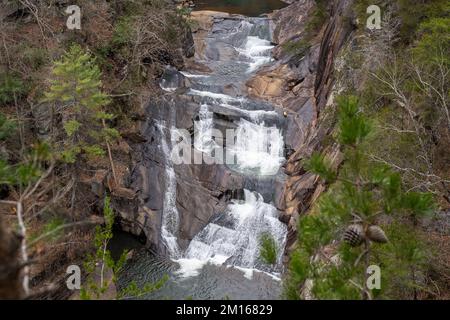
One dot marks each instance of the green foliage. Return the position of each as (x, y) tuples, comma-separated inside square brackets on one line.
[(94, 151), (184, 11), (7, 127), (11, 87), (415, 143), (410, 136), (53, 229), (296, 47), (98, 263), (318, 17), (353, 126), (101, 257), (76, 91), (418, 204), (434, 42), (6, 176), (133, 291), (361, 192), (411, 13), (402, 260), (268, 248), (123, 32), (69, 154), (71, 127), (319, 165), (34, 57), (29, 170), (110, 134)]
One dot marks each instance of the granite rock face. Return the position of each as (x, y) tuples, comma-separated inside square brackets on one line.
[(303, 87), (291, 21), (202, 191), (299, 87)]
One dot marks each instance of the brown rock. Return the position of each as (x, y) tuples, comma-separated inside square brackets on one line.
[(96, 181), (134, 136), (291, 21), (125, 193)]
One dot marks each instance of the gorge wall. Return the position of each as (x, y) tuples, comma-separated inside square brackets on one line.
[(304, 85), (299, 85)]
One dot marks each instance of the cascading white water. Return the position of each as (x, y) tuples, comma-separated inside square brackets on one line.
[(203, 130), (170, 215), (225, 101), (258, 51), (190, 75), (218, 97), (258, 147), (234, 240), (166, 86)]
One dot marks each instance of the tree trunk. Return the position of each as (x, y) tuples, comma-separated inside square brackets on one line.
[(11, 275)]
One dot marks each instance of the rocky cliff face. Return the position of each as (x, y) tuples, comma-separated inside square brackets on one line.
[(300, 86), (304, 88), (201, 190)]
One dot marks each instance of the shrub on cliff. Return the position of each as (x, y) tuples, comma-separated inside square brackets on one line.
[(11, 88), (268, 248), (76, 94)]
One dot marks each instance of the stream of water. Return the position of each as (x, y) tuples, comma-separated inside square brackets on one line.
[(223, 260)]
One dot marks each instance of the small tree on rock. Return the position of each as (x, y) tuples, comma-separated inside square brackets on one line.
[(79, 108), (349, 228)]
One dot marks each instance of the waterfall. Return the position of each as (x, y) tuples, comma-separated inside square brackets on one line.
[(258, 51), (258, 147), (216, 97), (233, 238), (170, 215), (203, 130)]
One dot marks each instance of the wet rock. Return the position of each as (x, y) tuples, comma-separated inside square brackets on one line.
[(231, 90), (196, 207), (203, 23), (173, 79), (195, 66)]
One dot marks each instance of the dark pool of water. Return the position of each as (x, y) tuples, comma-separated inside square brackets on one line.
[(212, 282), (251, 8), (123, 241)]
